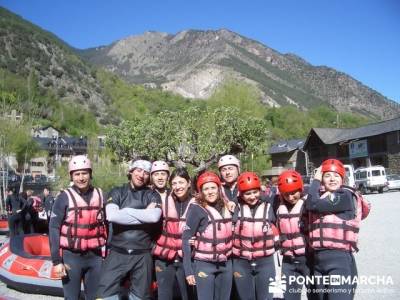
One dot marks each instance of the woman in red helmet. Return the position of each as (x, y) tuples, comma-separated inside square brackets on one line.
[(77, 228), (254, 241), (210, 222), (334, 223), (292, 222)]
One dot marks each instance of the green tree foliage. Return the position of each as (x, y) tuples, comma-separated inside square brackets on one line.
[(134, 101), (194, 136), (289, 122), (241, 96), (18, 141)]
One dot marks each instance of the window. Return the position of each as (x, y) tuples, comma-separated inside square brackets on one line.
[(376, 173)]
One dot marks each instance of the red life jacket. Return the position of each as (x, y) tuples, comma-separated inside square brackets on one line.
[(169, 244), (215, 243), (254, 236), (83, 228), (37, 203), (292, 239), (330, 231)]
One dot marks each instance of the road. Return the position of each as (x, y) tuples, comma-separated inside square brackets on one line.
[(377, 259)]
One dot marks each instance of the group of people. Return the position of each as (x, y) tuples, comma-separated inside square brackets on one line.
[(28, 213), (214, 236)]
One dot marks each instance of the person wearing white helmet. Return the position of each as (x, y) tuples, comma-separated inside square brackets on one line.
[(77, 228), (229, 168), (133, 211), (159, 177)]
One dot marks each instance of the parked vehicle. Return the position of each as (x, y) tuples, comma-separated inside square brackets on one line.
[(393, 182), (28, 178), (371, 179), (350, 179), (40, 178)]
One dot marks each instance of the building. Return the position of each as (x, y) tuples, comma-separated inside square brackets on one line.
[(45, 132), (373, 144), (59, 149), (287, 154)]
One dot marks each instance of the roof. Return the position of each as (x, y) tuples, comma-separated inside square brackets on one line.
[(335, 135), (285, 146), (63, 142)]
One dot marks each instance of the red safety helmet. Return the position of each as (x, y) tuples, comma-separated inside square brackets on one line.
[(333, 165), (248, 181), (290, 181), (207, 177)]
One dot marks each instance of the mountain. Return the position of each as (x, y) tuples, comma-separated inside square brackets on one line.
[(27, 49), (193, 63)]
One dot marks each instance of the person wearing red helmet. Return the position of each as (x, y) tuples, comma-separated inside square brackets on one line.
[(77, 227), (334, 223), (254, 240), (168, 247), (292, 222), (209, 221)]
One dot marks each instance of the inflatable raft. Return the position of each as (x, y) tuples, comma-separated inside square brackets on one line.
[(25, 265), (3, 224)]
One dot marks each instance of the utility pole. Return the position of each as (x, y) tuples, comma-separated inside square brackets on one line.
[(3, 175)]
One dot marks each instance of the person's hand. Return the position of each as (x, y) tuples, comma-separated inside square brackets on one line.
[(192, 240), (231, 206), (61, 270), (152, 205), (191, 280), (318, 174)]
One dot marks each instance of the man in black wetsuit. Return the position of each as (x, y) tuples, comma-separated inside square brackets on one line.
[(133, 210), (14, 207)]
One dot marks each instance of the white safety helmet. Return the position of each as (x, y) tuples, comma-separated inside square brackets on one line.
[(79, 162), (159, 165), (228, 160), (142, 164)]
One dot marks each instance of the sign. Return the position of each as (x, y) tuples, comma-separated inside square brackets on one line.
[(358, 149)]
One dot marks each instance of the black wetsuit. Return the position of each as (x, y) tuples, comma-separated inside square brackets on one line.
[(130, 247), (15, 203)]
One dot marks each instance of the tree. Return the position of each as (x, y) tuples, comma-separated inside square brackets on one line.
[(194, 136)]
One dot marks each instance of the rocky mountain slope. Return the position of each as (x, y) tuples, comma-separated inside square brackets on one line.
[(193, 63), (27, 49)]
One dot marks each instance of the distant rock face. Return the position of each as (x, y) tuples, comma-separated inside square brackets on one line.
[(193, 63)]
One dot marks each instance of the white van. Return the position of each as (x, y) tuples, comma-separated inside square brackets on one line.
[(371, 179), (350, 179)]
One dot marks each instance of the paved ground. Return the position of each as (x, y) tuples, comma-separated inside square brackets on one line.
[(378, 258)]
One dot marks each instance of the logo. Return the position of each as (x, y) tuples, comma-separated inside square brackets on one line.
[(202, 274), (278, 285)]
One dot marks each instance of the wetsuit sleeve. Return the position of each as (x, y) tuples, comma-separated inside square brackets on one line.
[(132, 216), (155, 197), (56, 219), (8, 203), (272, 214), (342, 200), (196, 221)]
